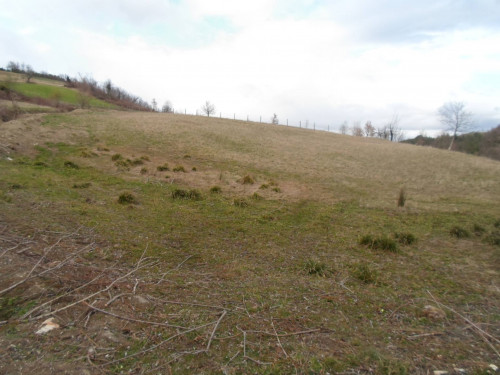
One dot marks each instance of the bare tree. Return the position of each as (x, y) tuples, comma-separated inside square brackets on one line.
[(369, 129), (274, 119), (393, 129), (343, 128), (167, 107), (357, 130), (29, 73), (208, 108), (455, 119)]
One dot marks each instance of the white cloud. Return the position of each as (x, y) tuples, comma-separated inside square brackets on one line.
[(322, 61)]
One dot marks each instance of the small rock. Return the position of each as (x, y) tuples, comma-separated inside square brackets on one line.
[(433, 312), (493, 367), (141, 300), (460, 370), (437, 372), (47, 326)]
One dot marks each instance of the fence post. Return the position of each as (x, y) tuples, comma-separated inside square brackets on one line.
[(184, 111), (300, 124), (286, 122), (314, 126), (234, 116), (247, 118)]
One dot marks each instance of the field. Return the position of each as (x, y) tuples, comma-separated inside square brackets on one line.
[(162, 243)]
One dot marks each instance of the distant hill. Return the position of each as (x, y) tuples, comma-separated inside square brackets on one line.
[(477, 143), (20, 83)]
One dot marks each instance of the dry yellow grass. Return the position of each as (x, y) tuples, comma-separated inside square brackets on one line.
[(307, 164)]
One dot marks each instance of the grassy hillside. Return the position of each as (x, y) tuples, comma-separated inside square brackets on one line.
[(50, 90), (202, 245)]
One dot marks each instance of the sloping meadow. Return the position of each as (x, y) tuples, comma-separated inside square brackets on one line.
[(184, 244)]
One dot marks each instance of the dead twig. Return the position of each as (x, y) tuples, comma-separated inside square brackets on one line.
[(153, 347), (132, 319), (278, 339), (215, 329), (137, 268), (482, 333)]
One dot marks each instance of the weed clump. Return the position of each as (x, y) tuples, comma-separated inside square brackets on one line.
[(40, 164), (84, 185), (315, 268), (402, 197), (144, 170), (405, 238), (87, 154), (179, 168), (459, 232), (257, 197), (116, 157), (70, 164), (162, 168), (101, 148), (194, 169), (136, 161), (248, 180), (127, 198), (364, 273), (379, 243), (186, 194), (264, 186), (276, 189), (215, 190), (15, 186), (145, 158)]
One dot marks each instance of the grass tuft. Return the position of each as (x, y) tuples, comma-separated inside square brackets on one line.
[(459, 232), (83, 185), (405, 238), (215, 190), (365, 273), (116, 157), (70, 164), (186, 194), (127, 198), (379, 243), (163, 167), (240, 202), (248, 180), (315, 268), (179, 168)]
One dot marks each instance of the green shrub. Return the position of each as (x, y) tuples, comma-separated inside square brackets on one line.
[(257, 197), (145, 158), (215, 190), (116, 157), (127, 198), (163, 167), (179, 168), (316, 268), (459, 232), (124, 164), (264, 186), (70, 164), (194, 169), (405, 238), (276, 189), (144, 170), (248, 180)]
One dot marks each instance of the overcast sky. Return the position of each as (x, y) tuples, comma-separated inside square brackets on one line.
[(325, 61)]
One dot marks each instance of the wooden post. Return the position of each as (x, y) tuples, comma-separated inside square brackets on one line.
[(300, 124)]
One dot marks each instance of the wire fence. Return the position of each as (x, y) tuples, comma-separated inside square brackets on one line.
[(273, 120)]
